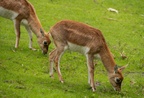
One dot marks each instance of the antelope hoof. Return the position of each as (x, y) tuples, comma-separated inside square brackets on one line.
[(62, 81), (51, 76), (93, 89), (16, 47)]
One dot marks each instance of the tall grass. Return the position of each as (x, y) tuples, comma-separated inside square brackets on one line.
[(24, 73)]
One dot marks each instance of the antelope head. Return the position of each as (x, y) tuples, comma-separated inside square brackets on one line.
[(44, 42), (116, 78)]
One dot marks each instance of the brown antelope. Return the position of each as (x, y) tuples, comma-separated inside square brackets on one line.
[(22, 12), (87, 40)]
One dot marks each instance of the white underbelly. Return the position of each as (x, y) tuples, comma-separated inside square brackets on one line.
[(24, 22), (78, 48), (8, 13)]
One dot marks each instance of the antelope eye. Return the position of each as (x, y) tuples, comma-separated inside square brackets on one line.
[(117, 80), (45, 43)]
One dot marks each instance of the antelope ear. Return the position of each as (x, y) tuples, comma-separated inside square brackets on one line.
[(42, 32), (122, 68)]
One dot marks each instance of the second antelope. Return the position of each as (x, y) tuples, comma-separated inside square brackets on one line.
[(22, 12), (87, 40)]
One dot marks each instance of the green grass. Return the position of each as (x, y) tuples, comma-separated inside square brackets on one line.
[(24, 73)]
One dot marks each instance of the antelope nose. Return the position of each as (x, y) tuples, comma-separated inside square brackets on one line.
[(44, 52), (117, 89)]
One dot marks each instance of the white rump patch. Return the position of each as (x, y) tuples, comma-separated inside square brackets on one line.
[(78, 48), (8, 13)]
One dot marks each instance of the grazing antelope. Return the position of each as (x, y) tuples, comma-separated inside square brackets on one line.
[(87, 40), (22, 12)]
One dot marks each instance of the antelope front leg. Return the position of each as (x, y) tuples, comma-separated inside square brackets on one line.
[(51, 59), (17, 32), (58, 69), (30, 37), (54, 58), (90, 65), (51, 69), (60, 52)]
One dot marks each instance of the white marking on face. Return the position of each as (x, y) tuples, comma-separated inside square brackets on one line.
[(8, 13), (78, 48)]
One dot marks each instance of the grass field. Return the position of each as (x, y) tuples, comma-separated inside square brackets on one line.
[(24, 73)]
